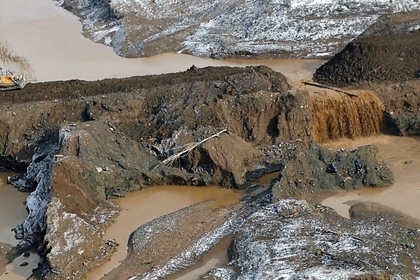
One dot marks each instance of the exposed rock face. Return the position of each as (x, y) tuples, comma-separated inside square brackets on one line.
[(227, 28)]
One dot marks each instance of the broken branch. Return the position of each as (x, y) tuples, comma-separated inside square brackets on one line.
[(188, 148)]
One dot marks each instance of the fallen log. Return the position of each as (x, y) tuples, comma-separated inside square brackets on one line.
[(352, 94)]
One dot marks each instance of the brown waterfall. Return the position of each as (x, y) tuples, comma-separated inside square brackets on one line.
[(335, 115)]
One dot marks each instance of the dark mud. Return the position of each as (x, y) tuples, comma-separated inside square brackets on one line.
[(402, 104), (316, 168), (88, 142), (83, 143), (385, 59), (78, 88), (388, 51)]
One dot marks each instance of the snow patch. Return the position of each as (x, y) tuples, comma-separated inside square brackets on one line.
[(71, 238), (39, 173), (309, 28), (288, 240)]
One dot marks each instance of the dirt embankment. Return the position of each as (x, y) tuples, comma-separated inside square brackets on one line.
[(86, 142), (83, 143), (388, 51), (384, 59)]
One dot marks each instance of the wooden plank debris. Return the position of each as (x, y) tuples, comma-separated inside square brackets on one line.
[(349, 93)]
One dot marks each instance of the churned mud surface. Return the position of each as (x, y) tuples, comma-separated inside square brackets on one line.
[(85, 143), (79, 145)]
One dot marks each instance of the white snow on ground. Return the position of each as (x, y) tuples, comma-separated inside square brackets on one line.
[(221, 28), (288, 240), (72, 237)]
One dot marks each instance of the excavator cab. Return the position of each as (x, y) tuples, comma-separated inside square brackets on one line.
[(8, 81)]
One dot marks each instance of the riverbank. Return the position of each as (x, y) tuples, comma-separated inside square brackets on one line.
[(140, 207), (293, 29), (49, 37)]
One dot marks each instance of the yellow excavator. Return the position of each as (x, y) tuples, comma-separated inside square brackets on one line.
[(8, 81)]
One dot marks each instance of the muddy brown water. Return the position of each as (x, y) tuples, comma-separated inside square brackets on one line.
[(50, 38), (11, 202), (12, 213), (336, 115), (402, 154), (217, 261), (136, 210)]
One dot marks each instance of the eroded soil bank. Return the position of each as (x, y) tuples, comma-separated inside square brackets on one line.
[(89, 137)]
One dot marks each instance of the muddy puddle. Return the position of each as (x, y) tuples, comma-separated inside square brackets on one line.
[(140, 207), (50, 38), (266, 179), (402, 154), (12, 209), (12, 213), (215, 262)]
